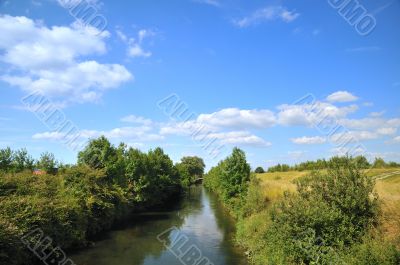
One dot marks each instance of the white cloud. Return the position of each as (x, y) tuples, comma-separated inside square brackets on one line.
[(309, 140), (135, 46), (136, 119), (311, 114), (237, 118), (185, 128), (387, 131), (377, 114), (341, 96), (238, 138), (267, 14), (52, 136), (396, 139), (353, 136), (215, 3), (135, 50), (127, 134), (48, 60), (370, 123)]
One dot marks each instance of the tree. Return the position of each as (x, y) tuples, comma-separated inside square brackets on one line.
[(259, 170), (101, 154), (379, 163), (161, 177), (6, 159), (47, 162), (235, 175), (190, 169), (362, 162), (23, 161)]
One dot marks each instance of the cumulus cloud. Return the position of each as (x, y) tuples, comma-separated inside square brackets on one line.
[(311, 114), (341, 96), (370, 123), (239, 138), (309, 140), (128, 134), (353, 136), (387, 131), (237, 118), (49, 60), (267, 14)]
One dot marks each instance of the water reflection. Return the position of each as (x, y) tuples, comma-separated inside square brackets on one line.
[(199, 217)]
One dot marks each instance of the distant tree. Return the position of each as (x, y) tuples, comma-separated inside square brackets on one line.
[(379, 163), (23, 161), (47, 162), (101, 154), (259, 170), (6, 159), (236, 175), (393, 164), (361, 162), (190, 168)]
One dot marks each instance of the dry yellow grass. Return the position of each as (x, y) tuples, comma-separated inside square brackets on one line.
[(389, 194), (275, 184)]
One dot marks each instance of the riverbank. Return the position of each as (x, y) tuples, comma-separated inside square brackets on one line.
[(328, 216), (44, 215)]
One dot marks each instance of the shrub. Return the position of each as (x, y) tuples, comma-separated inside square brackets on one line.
[(259, 170), (329, 212)]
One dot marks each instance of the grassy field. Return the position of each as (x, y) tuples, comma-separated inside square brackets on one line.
[(387, 186)]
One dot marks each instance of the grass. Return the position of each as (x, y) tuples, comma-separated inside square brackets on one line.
[(388, 188)]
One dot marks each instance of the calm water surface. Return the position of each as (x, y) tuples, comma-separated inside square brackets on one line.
[(199, 217)]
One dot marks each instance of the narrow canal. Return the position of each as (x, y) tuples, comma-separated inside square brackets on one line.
[(198, 231)]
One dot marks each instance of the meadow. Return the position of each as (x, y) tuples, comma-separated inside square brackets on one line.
[(274, 184), (338, 211)]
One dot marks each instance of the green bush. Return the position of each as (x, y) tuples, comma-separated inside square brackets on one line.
[(329, 213), (372, 251), (230, 180), (80, 201)]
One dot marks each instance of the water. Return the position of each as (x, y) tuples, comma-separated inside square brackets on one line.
[(199, 218)]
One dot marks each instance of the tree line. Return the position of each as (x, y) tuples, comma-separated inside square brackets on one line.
[(76, 202), (360, 161)]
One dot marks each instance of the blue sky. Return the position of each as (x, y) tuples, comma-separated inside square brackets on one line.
[(239, 67)]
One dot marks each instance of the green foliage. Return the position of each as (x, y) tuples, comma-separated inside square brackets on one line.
[(47, 162), (360, 161), (327, 221), (379, 163), (77, 202), (230, 180), (372, 251), (279, 168), (6, 159), (329, 213), (259, 170), (190, 169), (23, 161), (101, 154)]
